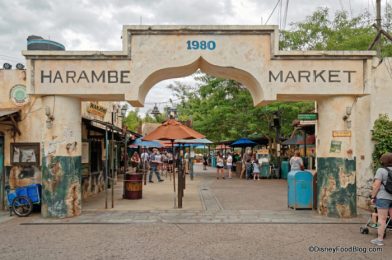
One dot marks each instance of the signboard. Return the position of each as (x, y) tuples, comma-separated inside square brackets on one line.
[(336, 146), (308, 116), (262, 151), (18, 95), (97, 110), (341, 133), (308, 122)]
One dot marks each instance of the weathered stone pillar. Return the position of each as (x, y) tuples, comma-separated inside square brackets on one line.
[(336, 171), (61, 157)]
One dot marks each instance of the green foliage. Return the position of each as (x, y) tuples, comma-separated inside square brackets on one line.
[(382, 136), (133, 121), (223, 110), (318, 32)]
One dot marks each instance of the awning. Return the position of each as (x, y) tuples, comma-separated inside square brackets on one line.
[(108, 126), (10, 117), (8, 111)]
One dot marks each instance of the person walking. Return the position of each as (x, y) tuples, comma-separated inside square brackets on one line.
[(246, 158), (219, 166), (205, 162), (256, 170), (229, 164), (154, 162), (381, 195), (296, 162)]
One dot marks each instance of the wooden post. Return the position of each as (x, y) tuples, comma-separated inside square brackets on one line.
[(378, 21)]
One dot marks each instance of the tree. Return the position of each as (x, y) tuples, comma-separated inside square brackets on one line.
[(133, 121), (318, 32), (223, 110), (382, 136)]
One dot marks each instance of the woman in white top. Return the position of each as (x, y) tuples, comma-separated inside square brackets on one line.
[(296, 162), (219, 166), (229, 164)]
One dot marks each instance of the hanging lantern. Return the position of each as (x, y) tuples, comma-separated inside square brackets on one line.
[(155, 111)]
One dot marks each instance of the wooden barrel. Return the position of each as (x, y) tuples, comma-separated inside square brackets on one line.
[(133, 186)]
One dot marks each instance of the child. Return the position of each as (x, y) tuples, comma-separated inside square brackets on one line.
[(256, 170)]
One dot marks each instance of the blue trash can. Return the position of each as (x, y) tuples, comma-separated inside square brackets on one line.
[(285, 166), (300, 190)]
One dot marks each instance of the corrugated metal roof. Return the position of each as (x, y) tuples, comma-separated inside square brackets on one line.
[(8, 111)]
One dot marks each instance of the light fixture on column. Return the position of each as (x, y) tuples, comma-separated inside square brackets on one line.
[(49, 118), (124, 110), (346, 117)]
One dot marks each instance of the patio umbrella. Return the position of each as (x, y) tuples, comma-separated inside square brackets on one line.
[(140, 142), (194, 141), (173, 130), (243, 142)]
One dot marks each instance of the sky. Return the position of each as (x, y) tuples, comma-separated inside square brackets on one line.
[(97, 24)]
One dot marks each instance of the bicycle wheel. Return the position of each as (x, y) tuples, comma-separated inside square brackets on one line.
[(22, 206)]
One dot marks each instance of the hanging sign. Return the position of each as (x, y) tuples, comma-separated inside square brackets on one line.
[(97, 110), (308, 117)]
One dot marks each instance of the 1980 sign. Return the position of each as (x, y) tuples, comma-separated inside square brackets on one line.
[(201, 45)]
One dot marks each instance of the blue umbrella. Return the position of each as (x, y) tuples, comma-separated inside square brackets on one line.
[(243, 142), (140, 142)]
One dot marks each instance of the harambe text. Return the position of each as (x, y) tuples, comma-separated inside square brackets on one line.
[(71, 76)]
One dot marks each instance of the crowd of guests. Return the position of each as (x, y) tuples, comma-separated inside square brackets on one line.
[(153, 161), (225, 165)]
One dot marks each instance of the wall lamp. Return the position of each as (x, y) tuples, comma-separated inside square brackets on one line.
[(346, 117), (49, 118), (20, 66), (7, 66)]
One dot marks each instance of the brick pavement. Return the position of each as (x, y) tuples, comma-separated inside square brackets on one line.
[(234, 201)]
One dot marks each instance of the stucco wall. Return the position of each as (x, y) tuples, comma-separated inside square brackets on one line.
[(368, 109)]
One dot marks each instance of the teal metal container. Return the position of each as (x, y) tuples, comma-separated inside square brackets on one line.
[(300, 190), (285, 168), (213, 161), (265, 170)]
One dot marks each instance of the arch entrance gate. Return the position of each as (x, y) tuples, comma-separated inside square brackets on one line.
[(247, 54)]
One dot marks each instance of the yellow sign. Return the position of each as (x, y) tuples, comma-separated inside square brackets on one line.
[(341, 133), (262, 151), (97, 110)]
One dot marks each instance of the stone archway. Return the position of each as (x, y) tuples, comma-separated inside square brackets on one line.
[(247, 54), (243, 77)]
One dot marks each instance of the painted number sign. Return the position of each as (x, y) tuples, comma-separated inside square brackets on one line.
[(201, 45)]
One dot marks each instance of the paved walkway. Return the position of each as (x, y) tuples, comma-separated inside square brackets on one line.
[(207, 200)]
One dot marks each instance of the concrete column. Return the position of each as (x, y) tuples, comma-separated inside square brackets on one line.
[(336, 171), (61, 157)]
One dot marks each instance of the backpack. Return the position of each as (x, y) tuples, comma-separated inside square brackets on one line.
[(388, 184)]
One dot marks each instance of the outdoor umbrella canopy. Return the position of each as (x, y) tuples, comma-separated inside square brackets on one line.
[(222, 147), (194, 141), (243, 142), (173, 130), (140, 142)]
